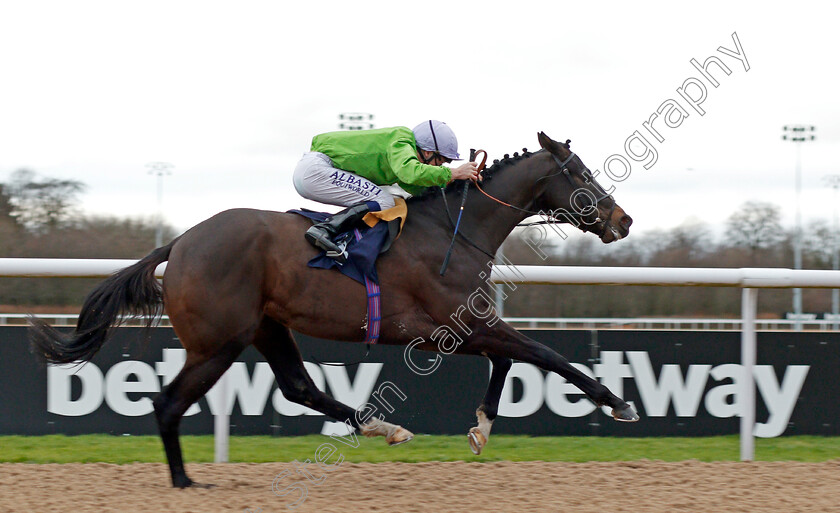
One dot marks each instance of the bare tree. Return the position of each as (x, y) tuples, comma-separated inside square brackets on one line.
[(755, 225), (42, 205), (818, 245)]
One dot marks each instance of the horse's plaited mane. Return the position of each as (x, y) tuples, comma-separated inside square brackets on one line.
[(487, 174), (507, 160)]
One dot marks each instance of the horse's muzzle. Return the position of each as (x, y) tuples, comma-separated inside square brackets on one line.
[(617, 227)]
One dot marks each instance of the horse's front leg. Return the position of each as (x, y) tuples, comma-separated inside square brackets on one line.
[(486, 413), (505, 342)]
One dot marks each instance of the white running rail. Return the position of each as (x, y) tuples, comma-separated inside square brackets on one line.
[(748, 279)]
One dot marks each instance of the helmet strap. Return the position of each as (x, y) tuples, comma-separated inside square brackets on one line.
[(436, 153), (423, 157)]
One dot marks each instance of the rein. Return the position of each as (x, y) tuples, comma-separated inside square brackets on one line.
[(564, 170), (452, 225), (473, 155), (531, 212)]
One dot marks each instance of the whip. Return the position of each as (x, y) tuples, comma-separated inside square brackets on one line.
[(473, 155)]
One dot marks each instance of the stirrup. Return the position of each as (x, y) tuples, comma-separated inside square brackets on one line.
[(339, 256), (320, 238)]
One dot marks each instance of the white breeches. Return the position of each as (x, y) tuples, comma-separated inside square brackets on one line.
[(317, 179)]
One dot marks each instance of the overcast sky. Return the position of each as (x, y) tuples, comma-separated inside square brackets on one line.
[(231, 93)]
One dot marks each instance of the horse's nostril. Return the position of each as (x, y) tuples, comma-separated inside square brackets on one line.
[(626, 221)]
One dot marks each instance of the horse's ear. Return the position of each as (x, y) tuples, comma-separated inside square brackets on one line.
[(547, 143)]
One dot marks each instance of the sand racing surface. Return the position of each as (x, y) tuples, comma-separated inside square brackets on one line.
[(638, 486)]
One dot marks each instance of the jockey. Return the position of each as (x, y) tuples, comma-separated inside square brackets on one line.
[(347, 169)]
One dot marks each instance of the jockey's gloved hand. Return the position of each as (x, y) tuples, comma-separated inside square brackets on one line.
[(466, 171)]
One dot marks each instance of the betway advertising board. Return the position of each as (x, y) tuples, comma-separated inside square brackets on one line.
[(682, 383)]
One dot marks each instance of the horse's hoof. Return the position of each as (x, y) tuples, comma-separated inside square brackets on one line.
[(185, 482), (400, 436), (181, 482), (477, 440), (625, 414)]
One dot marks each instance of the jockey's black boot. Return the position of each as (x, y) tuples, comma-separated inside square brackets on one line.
[(321, 234)]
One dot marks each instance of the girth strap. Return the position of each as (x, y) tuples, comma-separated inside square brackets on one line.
[(374, 304)]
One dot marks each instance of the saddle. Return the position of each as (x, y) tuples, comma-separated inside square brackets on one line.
[(394, 217), (364, 242)]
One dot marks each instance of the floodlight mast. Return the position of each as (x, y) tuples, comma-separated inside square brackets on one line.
[(798, 134), (160, 169), (833, 181)]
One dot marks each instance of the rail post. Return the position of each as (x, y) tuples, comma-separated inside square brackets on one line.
[(221, 423), (749, 300)]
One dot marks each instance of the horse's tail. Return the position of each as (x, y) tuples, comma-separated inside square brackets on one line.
[(130, 291)]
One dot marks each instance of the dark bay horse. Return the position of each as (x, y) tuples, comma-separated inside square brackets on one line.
[(241, 278)]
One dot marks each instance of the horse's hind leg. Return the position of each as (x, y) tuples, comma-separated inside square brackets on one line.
[(199, 374), (506, 342), (276, 343), (486, 413)]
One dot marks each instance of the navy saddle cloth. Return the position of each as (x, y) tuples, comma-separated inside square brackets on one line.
[(363, 246)]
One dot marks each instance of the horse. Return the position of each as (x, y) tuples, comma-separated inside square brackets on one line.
[(241, 278)]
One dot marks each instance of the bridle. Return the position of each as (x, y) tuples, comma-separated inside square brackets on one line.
[(588, 179), (547, 219), (552, 218)]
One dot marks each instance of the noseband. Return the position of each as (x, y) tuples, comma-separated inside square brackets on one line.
[(591, 179), (564, 170)]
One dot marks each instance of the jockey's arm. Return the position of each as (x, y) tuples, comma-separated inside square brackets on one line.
[(407, 167)]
